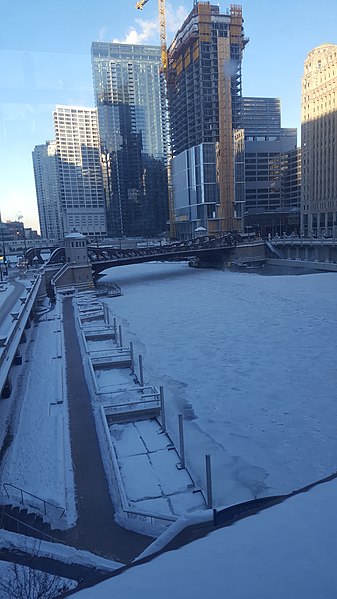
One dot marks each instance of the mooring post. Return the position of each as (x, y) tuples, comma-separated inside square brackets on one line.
[(162, 408), (141, 373), (115, 330), (209, 481), (120, 336), (181, 440), (132, 358)]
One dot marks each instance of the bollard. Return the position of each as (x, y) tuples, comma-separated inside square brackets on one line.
[(107, 314), (141, 374), (115, 331), (162, 408), (132, 357), (120, 336), (181, 440), (209, 481)]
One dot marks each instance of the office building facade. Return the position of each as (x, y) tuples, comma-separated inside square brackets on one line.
[(291, 179), (270, 167), (133, 123), (47, 190), (79, 171), (319, 149), (204, 90)]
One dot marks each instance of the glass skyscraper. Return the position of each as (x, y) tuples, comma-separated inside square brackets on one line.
[(133, 124), (47, 190)]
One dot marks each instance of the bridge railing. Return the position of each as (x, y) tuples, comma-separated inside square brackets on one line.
[(304, 241), (105, 254)]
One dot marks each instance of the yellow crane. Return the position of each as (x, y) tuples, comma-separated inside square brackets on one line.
[(163, 46), (162, 30)]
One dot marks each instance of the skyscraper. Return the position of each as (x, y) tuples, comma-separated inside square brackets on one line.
[(132, 114), (79, 171), (47, 190), (319, 149), (270, 153), (204, 87)]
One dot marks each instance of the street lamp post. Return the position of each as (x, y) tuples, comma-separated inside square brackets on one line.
[(4, 253), (25, 246)]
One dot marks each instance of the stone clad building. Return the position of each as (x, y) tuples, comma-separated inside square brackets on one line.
[(319, 150)]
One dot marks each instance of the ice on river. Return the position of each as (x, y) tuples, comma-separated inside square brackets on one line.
[(249, 360)]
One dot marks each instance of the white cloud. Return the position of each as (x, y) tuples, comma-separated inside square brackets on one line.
[(147, 31)]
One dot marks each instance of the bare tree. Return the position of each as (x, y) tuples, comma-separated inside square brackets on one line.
[(22, 582)]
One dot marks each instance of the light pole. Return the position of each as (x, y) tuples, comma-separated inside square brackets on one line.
[(25, 245), (3, 251)]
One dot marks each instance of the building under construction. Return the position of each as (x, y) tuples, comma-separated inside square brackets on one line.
[(204, 87)]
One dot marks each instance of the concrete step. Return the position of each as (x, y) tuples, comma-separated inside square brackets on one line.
[(17, 519)]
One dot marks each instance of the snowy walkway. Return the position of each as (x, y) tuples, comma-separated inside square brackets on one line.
[(96, 529), (37, 417)]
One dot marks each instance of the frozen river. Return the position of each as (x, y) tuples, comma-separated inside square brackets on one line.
[(249, 360)]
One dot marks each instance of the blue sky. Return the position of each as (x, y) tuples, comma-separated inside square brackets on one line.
[(45, 60)]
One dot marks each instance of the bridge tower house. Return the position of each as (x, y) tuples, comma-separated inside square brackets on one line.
[(76, 271)]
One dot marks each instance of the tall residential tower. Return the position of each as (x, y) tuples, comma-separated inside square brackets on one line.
[(47, 191), (133, 125), (319, 147), (79, 171), (204, 87)]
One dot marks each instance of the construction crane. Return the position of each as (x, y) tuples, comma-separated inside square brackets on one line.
[(163, 47), (162, 30)]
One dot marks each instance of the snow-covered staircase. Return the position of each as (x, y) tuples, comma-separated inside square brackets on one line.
[(20, 520)]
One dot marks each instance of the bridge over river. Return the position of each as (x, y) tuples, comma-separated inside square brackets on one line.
[(205, 251)]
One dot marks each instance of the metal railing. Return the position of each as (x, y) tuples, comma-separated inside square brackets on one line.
[(42, 501), (149, 403), (8, 351), (60, 272), (20, 524)]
